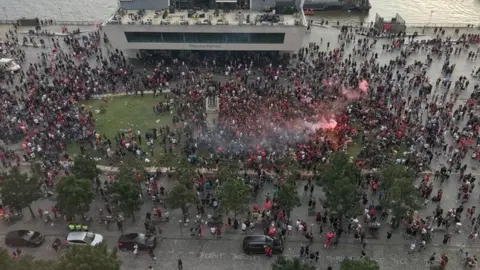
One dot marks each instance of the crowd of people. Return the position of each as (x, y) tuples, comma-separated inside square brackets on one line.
[(272, 108)]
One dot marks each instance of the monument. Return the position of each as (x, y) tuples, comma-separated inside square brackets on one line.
[(212, 107)]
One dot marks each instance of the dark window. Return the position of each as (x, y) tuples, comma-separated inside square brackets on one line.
[(171, 37), (235, 38)]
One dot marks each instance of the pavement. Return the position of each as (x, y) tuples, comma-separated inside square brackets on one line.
[(210, 253)]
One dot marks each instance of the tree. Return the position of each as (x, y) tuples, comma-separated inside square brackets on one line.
[(6, 261), (283, 263), (74, 195), (28, 262), (287, 197), (90, 258), (25, 262), (292, 169), (339, 178), (185, 172), (181, 197), (234, 195), (19, 191), (85, 168), (397, 182), (37, 171), (359, 264), (127, 191)]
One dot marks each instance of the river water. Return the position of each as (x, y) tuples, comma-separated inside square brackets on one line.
[(412, 11)]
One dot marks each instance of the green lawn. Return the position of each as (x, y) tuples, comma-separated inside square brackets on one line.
[(127, 112), (123, 113)]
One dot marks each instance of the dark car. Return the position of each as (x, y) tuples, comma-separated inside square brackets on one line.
[(255, 244), (24, 238), (143, 241)]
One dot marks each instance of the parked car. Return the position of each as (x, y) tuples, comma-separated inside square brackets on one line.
[(255, 244), (143, 241), (84, 238), (9, 65), (24, 238)]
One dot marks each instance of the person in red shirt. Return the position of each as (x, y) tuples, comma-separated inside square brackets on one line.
[(55, 211), (158, 212)]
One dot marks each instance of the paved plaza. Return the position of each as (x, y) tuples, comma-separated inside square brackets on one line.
[(224, 254)]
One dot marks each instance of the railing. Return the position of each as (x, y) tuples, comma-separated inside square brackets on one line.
[(76, 23), (229, 25), (443, 25), (7, 21), (92, 23), (333, 23)]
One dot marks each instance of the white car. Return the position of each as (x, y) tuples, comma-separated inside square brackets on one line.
[(9, 65), (84, 238)]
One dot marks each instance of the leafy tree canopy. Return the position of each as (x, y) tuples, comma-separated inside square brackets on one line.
[(287, 197), (89, 258), (77, 257), (180, 197), (359, 264), (397, 182), (283, 263), (74, 195), (292, 169), (339, 180), (127, 192), (25, 262), (19, 191), (234, 195), (391, 171), (185, 172), (85, 168)]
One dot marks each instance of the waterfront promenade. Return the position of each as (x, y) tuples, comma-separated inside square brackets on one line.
[(211, 253)]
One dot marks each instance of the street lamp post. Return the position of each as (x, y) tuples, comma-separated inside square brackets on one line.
[(429, 21), (5, 11), (180, 222), (61, 14)]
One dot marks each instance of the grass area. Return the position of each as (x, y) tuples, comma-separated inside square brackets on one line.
[(127, 112), (354, 149), (123, 113)]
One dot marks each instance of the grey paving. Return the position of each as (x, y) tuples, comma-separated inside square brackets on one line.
[(226, 253)]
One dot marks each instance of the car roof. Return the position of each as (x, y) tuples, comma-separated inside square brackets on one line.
[(18, 232), (76, 236), (255, 238), (132, 236)]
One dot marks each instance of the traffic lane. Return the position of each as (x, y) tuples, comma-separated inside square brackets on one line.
[(225, 254), (228, 254), (43, 252)]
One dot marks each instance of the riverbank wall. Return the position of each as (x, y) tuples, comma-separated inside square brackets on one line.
[(331, 23)]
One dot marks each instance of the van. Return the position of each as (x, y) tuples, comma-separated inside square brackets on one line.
[(9, 65), (255, 244)]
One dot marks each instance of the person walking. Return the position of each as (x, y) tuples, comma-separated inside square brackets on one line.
[(120, 225), (180, 264), (152, 255)]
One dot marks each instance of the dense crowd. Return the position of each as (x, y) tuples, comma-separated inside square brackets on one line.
[(272, 108)]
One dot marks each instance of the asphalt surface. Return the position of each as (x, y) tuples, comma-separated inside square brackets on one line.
[(226, 253)]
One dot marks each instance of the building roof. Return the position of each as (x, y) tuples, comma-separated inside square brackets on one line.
[(205, 17), (144, 4)]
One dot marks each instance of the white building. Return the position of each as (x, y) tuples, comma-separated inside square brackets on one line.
[(207, 25)]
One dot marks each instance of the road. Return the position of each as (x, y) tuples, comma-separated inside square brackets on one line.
[(226, 253)]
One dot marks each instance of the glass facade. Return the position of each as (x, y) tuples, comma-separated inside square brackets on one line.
[(175, 37)]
